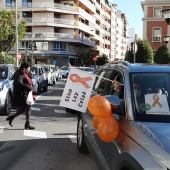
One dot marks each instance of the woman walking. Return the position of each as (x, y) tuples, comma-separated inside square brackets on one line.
[(22, 86)]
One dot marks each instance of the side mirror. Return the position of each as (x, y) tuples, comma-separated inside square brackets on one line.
[(114, 101)]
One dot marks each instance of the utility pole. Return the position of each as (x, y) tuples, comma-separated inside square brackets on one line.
[(16, 29), (135, 48)]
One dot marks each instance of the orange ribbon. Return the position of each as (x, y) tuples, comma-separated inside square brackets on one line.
[(156, 101), (77, 79)]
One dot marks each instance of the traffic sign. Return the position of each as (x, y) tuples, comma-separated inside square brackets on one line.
[(19, 56)]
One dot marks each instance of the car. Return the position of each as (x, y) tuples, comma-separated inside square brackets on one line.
[(39, 79), (57, 72), (143, 138), (6, 87), (64, 71), (86, 69), (50, 74)]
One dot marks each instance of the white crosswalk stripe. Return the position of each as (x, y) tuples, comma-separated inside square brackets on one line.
[(35, 109), (1, 129), (37, 134)]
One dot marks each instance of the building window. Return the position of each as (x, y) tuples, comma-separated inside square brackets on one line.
[(157, 34), (27, 3), (157, 12), (10, 3), (59, 46)]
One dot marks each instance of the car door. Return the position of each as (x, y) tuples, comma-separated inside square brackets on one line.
[(108, 150)]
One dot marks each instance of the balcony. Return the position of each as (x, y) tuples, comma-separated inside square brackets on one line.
[(87, 4), (50, 36), (86, 28), (46, 5), (46, 21), (86, 15), (96, 15)]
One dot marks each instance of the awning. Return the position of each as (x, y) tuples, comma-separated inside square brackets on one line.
[(108, 3)]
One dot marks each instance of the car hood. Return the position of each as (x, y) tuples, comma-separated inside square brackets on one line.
[(154, 138)]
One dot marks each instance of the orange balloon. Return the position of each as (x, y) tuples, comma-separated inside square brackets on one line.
[(99, 106), (108, 129), (96, 121)]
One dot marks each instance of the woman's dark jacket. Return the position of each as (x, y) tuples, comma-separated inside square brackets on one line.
[(21, 89)]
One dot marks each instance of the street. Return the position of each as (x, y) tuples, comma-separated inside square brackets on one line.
[(51, 146)]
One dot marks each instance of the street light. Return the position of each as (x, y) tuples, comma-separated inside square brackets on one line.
[(32, 42), (166, 14), (16, 29)]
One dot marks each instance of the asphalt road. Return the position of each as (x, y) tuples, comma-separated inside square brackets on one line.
[(51, 146)]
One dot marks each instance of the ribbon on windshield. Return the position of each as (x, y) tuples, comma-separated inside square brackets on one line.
[(77, 79), (156, 101)]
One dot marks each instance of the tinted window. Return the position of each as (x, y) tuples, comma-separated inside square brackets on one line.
[(151, 96), (3, 72)]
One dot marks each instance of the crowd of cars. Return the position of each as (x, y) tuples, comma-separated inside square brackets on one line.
[(43, 76)]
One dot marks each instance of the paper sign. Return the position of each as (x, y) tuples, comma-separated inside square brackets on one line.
[(158, 104), (77, 90)]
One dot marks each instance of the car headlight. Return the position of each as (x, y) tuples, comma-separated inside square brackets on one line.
[(1, 86)]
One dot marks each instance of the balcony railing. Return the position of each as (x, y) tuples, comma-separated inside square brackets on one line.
[(86, 28), (88, 4), (52, 20), (60, 36), (88, 16), (45, 5)]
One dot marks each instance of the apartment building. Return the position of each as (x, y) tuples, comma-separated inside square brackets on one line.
[(60, 30), (120, 35), (154, 24)]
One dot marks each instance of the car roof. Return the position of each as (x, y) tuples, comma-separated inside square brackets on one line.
[(139, 67)]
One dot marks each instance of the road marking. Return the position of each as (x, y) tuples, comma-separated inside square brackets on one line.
[(37, 134), (42, 94), (73, 138), (50, 98), (47, 104), (1, 129), (60, 111), (36, 109)]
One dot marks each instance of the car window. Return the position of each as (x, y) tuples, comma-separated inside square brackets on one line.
[(101, 89), (64, 68), (3, 72), (34, 70), (151, 96)]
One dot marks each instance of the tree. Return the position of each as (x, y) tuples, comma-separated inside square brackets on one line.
[(7, 59), (8, 30), (102, 60), (143, 55), (162, 55)]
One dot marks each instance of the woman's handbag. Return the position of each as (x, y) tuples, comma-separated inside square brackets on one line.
[(30, 100)]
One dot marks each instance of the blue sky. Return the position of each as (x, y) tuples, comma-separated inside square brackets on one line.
[(133, 11)]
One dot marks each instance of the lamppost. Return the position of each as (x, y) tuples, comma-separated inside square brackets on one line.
[(166, 14), (32, 42), (16, 29)]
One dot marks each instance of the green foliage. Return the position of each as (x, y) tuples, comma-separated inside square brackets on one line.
[(7, 59), (143, 55), (102, 60), (87, 59), (8, 30), (162, 55), (129, 56)]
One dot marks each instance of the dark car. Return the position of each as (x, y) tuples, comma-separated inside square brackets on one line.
[(39, 79), (6, 87), (143, 117)]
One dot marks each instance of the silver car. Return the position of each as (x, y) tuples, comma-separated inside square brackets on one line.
[(6, 87), (142, 114)]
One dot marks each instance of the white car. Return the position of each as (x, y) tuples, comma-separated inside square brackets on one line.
[(6, 87), (64, 71)]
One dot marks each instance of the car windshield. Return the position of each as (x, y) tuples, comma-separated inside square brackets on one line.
[(3, 72), (34, 70), (151, 94), (64, 68)]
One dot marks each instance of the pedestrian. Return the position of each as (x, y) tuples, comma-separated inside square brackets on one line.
[(22, 86)]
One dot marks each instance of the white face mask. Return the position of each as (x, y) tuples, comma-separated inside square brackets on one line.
[(137, 93)]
